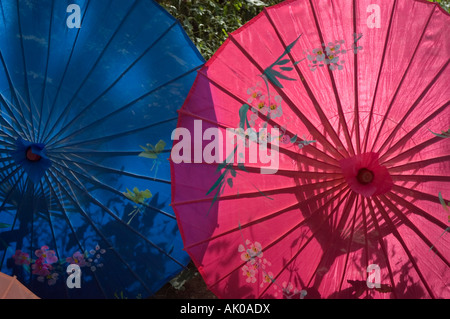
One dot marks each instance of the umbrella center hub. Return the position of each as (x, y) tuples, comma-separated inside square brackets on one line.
[(365, 176), (31, 156)]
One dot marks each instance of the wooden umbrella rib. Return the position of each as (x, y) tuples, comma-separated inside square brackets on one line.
[(300, 115), (415, 210), (282, 149), (66, 68), (386, 41), (413, 227), (232, 95), (402, 79), (383, 248), (410, 109), (420, 178), (94, 165), (272, 244), (8, 288), (258, 193), (313, 99), (342, 118), (356, 123), (265, 218), (345, 213), (67, 108), (47, 62), (94, 180), (98, 231), (402, 242), (294, 257), (69, 223), (410, 134), (25, 127), (366, 242), (350, 240), (416, 194), (419, 164), (25, 72), (8, 195)]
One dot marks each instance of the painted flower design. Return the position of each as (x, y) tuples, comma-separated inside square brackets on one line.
[(285, 139), (275, 109), (48, 256), (255, 93), (50, 278), (248, 135), (78, 259), (255, 249), (267, 278), (333, 59), (331, 54), (21, 258), (250, 250), (245, 256), (318, 55), (333, 49), (253, 119), (95, 260), (265, 263), (249, 273), (41, 268)]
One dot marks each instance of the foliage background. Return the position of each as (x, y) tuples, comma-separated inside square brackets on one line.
[(208, 22)]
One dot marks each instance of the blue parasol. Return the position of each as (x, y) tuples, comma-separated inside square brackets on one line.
[(89, 92)]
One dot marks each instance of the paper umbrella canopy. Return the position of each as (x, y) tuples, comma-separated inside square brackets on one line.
[(88, 98), (319, 145)]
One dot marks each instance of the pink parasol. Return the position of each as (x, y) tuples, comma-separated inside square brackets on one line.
[(347, 103)]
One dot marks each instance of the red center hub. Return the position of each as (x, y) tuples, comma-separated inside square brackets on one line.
[(32, 157)]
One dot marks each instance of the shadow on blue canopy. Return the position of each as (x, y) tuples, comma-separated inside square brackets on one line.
[(86, 114)]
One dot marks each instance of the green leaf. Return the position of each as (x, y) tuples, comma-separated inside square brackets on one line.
[(286, 68), (154, 151), (230, 182), (4, 225), (290, 46), (307, 142), (272, 78), (442, 201), (149, 154), (443, 135), (159, 147), (294, 139), (146, 194), (233, 172), (138, 196), (297, 62), (242, 167), (221, 166), (283, 62), (282, 76), (217, 183), (243, 116)]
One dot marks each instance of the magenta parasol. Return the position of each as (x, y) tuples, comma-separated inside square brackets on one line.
[(352, 202)]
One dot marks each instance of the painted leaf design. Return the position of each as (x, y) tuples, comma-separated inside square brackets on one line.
[(153, 151), (138, 196)]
